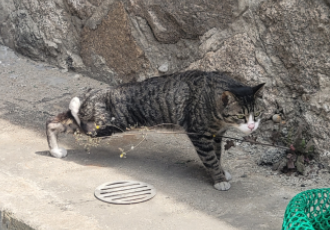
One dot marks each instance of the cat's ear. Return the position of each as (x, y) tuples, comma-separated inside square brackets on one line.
[(257, 90), (227, 97)]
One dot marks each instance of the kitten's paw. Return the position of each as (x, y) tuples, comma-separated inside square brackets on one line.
[(228, 176), (58, 152), (222, 186)]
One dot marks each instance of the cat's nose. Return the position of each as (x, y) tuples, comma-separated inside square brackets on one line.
[(251, 126)]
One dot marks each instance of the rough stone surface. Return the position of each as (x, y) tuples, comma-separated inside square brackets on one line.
[(283, 43), (163, 68), (111, 45), (271, 156)]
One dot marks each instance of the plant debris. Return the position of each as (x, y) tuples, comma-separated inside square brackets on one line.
[(229, 144)]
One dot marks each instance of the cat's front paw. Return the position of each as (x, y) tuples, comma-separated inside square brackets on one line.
[(58, 152), (228, 176), (222, 186)]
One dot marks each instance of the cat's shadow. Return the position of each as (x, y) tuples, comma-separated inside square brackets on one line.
[(177, 173), (184, 167), (43, 153)]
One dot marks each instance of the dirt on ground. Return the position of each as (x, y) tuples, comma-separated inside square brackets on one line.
[(49, 193)]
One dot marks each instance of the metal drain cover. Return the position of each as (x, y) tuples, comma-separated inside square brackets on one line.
[(125, 192)]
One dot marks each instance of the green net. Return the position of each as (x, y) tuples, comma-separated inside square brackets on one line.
[(308, 210)]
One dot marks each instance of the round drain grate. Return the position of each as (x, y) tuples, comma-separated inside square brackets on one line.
[(125, 192)]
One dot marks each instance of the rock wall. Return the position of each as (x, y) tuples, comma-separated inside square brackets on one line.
[(284, 43)]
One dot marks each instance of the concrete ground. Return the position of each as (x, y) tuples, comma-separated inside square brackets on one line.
[(47, 193)]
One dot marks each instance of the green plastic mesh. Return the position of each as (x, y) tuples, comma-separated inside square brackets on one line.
[(308, 210)]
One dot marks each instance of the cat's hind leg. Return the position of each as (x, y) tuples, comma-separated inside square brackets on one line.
[(52, 130), (63, 122)]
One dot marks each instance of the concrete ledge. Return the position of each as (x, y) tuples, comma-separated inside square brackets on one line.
[(9, 222)]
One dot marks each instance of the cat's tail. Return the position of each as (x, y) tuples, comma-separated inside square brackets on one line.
[(63, 122)]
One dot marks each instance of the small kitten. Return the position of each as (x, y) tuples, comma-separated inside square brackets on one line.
[(204, 104)]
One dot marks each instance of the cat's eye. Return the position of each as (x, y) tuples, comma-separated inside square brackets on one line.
[(256, 114), (239, 116)]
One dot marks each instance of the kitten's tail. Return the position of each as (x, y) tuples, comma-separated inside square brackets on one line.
[(63, 122)]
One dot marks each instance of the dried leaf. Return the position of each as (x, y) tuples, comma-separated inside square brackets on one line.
[(229, 144), (292, 148), (300, 165), (301, 159), (307, 159), (291, 164), (294, 157)]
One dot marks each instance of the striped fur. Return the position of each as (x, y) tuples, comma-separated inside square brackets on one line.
[(204, 104)]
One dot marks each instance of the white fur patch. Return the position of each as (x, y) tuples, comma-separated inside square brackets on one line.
[(74, 106), (245, 127), (228, 176), (222, 186), (59, 152)]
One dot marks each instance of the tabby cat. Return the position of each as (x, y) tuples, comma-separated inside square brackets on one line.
[(204, 104)]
